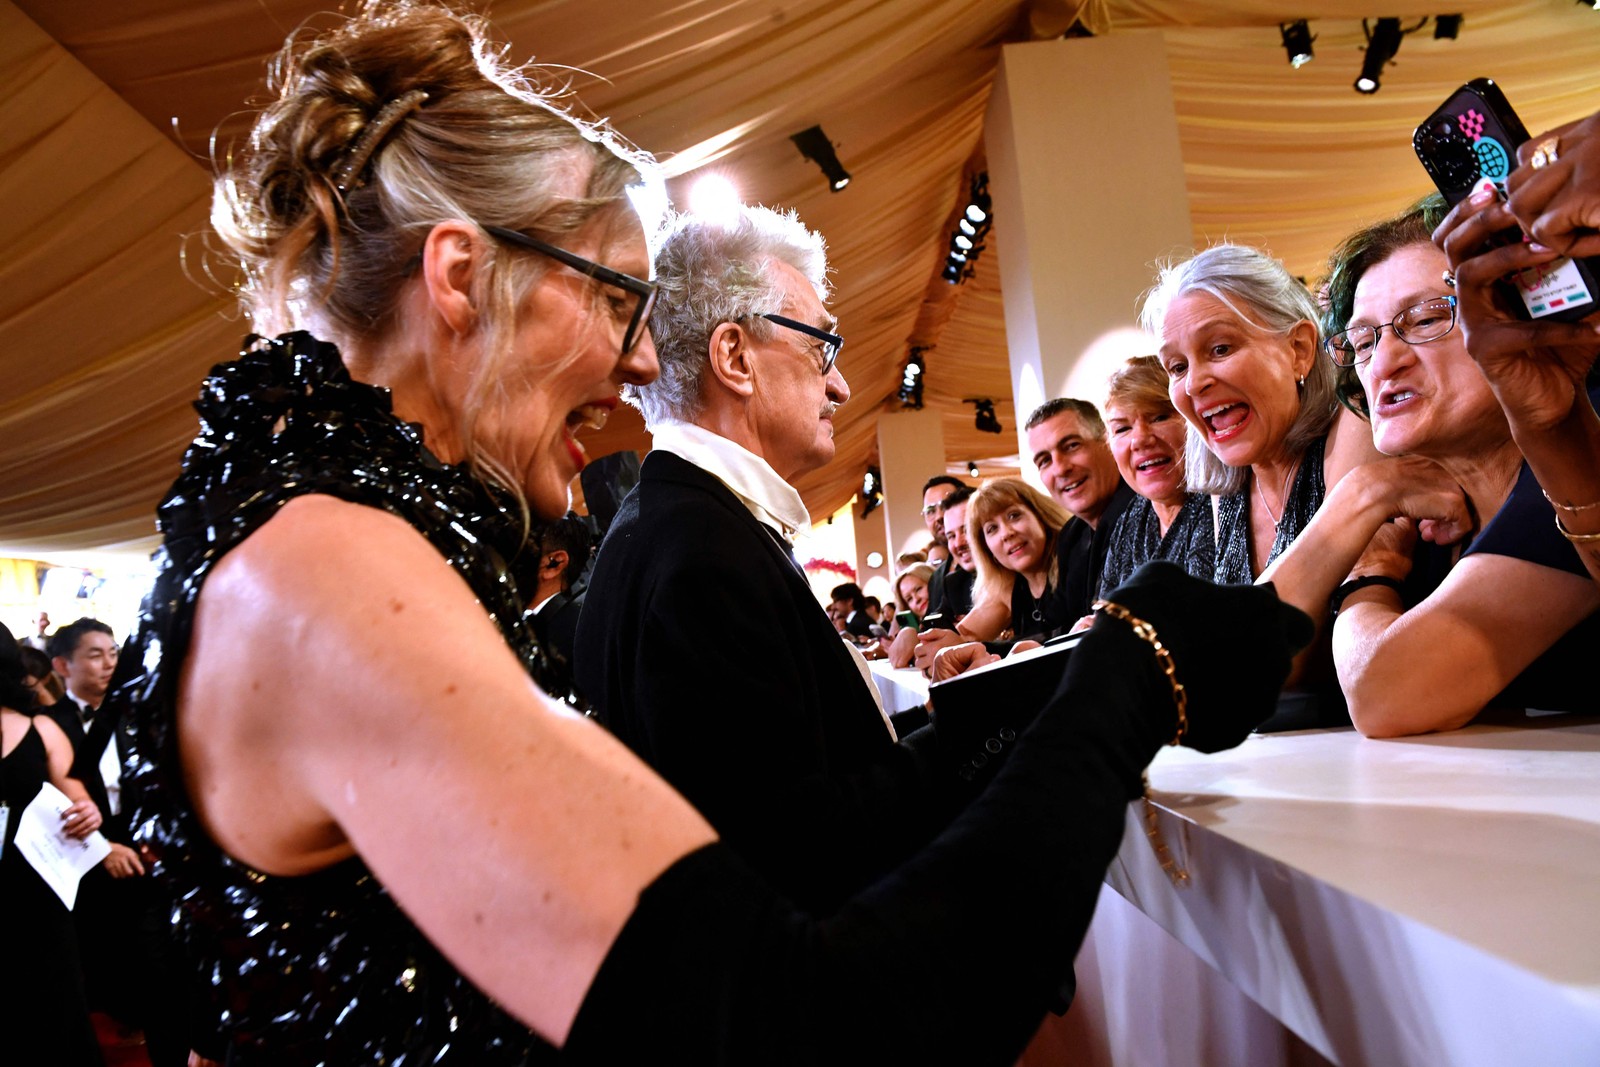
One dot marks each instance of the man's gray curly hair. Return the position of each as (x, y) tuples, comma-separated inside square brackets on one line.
[(711, 273)]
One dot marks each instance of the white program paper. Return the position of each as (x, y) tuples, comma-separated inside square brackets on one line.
[(60, 860)]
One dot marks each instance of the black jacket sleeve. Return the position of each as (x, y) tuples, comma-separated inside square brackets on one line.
[(714, 967)]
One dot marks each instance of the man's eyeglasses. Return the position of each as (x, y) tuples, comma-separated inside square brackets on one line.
[(930, 510), (1417, 324), (644, 292), (831, 342)]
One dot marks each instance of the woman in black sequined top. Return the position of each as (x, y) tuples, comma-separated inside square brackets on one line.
[(384, 838)]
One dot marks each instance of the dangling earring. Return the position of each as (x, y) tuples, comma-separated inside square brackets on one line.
[(1300, 382)]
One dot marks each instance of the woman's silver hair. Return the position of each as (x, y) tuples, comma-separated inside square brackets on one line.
[(1261, 291), (711, 272)]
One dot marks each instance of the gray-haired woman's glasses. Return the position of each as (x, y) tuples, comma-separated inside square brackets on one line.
[(644, 292), (1417, 324)]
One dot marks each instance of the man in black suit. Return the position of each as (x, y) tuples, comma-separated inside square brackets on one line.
[(563, 553), (701, 644), (849, 606), (949, 590), (1071, 453), (84, 654), (123, 934)]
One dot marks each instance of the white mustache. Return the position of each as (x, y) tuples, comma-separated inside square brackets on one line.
[(828, 409)]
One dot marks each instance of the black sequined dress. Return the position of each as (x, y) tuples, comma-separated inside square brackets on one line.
[(323, 968)]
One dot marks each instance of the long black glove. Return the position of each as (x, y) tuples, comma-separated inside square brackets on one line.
[(955, 956)]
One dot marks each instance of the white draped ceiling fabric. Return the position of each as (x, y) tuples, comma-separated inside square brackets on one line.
[(108, 108)]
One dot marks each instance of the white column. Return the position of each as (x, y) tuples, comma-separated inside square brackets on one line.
[(1086, 179), (910, 451)]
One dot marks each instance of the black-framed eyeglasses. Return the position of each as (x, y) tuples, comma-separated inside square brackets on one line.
[(643, 291), (831, 342), (1415, 325)]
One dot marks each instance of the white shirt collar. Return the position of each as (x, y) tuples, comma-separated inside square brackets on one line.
[(749, 477)]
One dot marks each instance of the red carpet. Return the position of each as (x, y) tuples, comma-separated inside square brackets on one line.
[(121, 1050)]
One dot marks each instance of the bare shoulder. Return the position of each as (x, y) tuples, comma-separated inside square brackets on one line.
[(312, 538), (1349, 445), (54, 738), (310, 637)]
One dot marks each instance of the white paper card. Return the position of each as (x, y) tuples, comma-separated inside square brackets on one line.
[(60, 860)]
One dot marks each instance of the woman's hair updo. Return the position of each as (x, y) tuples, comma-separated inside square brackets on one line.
[(323, 239), (485, 145)]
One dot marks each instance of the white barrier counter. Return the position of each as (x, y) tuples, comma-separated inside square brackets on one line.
[(901, 689), (1431, 900)]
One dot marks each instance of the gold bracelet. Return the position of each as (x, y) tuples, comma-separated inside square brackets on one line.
[(1574, 508), (1145, 632), (1576, 538), (1175, 871)]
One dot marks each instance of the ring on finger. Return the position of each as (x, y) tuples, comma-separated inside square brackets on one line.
[(1547, 152)]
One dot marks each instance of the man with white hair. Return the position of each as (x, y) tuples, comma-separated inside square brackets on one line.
[(701, 644)]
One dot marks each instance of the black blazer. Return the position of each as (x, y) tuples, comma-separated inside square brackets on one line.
[(703, 648), (950, 591)]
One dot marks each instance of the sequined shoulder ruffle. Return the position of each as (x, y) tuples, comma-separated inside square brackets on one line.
[(323, 968)]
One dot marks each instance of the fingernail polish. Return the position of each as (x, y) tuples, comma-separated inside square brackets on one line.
[(1481, 197), (1535, 246)]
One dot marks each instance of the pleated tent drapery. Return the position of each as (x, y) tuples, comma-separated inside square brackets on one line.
[(107, 110)]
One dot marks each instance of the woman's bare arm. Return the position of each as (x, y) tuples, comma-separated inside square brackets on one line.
[(1321, 558), (1436, 666), (344, 692), (985, 622)]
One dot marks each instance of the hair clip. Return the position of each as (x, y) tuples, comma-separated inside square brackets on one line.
[(345, 175)]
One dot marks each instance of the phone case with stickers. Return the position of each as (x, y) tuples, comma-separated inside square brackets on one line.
[(1470, 142)]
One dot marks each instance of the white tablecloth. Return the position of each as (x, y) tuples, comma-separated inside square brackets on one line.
[(1430, 901), (901, 689)]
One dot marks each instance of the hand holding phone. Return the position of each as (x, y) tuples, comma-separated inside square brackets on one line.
[(1469, 144)]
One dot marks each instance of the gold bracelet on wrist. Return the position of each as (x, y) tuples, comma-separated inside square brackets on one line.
[(1574, 508), (1145, 632), (1577, 538)]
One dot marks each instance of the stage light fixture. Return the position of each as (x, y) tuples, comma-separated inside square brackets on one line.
[(911, 379), (871, 491), (1297, 42), (815, 146), (1383, 42), (972, 226), (984, 417), (1446, 27), (972, 468)]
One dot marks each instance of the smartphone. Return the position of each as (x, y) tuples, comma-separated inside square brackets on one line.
[(937, 621), (1470, 143), (906, 619)]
